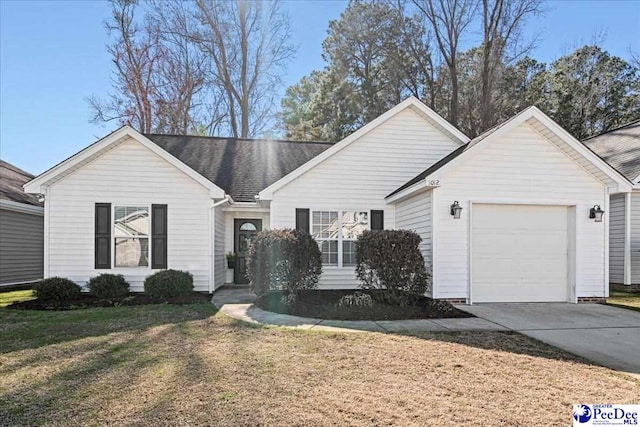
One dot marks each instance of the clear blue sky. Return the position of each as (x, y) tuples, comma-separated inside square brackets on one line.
[(52, 56)]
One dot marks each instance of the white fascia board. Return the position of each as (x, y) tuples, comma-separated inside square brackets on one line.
[(10, 205), (457, 135), (35, 185), (624, 185), (418, 187)]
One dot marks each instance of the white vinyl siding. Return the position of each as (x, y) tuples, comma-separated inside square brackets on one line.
[(414, 214), (522, 167), (616, 238), (219, 258), (363, 174), (128, 175)]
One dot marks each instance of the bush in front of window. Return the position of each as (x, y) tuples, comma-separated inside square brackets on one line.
[(56, 290), (168, 284), (391, 260), (283, 259), (109, 287)]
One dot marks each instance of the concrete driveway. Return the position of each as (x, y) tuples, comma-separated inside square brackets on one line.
[(603, 334)]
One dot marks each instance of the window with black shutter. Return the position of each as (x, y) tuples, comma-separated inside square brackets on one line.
[(377, 220), (302, 220)]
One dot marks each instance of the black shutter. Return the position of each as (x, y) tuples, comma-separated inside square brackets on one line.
[(159, 236), (377, 220), (302, 220), (102, 254)]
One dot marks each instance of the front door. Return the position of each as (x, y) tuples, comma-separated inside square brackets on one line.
[(244, 232)]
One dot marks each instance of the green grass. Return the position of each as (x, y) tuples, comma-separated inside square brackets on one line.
[(10, 297), (625, 300)]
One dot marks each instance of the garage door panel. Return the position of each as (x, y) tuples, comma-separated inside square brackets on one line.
[(519, 253)]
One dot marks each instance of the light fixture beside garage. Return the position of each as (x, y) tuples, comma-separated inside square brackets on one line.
[(596, 212), (456, 209)]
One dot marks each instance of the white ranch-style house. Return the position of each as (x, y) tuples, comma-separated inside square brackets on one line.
[(518, 214)]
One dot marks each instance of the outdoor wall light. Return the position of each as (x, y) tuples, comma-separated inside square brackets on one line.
[(456, 209), (596, 212)]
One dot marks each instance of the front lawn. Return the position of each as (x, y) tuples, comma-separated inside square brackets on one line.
[(167, 365), (625, 300)]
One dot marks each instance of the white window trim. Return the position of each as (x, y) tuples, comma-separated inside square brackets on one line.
[(113, 237), (340, 239)]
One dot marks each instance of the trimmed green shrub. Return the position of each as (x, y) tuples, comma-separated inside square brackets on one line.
[(283, 259), (57, 290), (356, 299), (168, 284), (391, 260), (109, 286)]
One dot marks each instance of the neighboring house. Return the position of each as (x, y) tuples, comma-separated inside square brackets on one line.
[(621, 149), (524, 234), (21, 229)]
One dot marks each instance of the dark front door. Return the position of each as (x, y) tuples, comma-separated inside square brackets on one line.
[(244, 232)]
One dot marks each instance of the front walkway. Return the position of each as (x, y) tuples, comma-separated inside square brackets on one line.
[(238, 303), (609, 336)]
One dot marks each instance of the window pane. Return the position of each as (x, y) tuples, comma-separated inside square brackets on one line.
[(130, 221), (348, 252), (329, 249), (132, 252), (354, 223), (325, 225), (248, 226)]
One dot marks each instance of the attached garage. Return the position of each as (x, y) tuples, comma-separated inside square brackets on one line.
[(519, 253), (507, 217)]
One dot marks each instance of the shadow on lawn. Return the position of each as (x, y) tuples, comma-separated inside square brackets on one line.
[(25, 329)]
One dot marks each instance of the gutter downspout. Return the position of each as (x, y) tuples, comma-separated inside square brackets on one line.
[(212, 224)]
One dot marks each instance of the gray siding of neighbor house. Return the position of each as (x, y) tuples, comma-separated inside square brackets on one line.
[(635, 238), (616, 238), (21, 247), (220, 263)]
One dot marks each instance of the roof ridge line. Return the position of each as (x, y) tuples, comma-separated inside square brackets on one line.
[(633, 122)]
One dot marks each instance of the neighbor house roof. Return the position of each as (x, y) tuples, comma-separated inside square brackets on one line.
[(12, 179), (620, 148), (241, 167)]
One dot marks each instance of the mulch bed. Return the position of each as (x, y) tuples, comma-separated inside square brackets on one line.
[(323, 304), (88, 301)]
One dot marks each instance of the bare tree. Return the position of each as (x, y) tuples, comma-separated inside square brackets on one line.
[(502, 21), (248, 45), (449, 19), (136, 55)]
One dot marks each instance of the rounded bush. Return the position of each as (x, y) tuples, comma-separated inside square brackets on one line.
[(168, 284), (109, 286), (56, 289), (283, 259), (391, 260)]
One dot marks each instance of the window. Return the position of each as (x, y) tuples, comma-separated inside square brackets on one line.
[(336, 233), (131, 236)]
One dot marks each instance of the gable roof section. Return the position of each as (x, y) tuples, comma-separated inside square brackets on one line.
[(95, 150), (12, 179), (544, 126), (428, 114), (241, 167), (620, 147)]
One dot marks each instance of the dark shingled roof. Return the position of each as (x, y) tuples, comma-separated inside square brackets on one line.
[(241, 167), (11, 181), (620, 148)]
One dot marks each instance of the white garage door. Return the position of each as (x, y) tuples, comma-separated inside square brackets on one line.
[(519, 253)]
